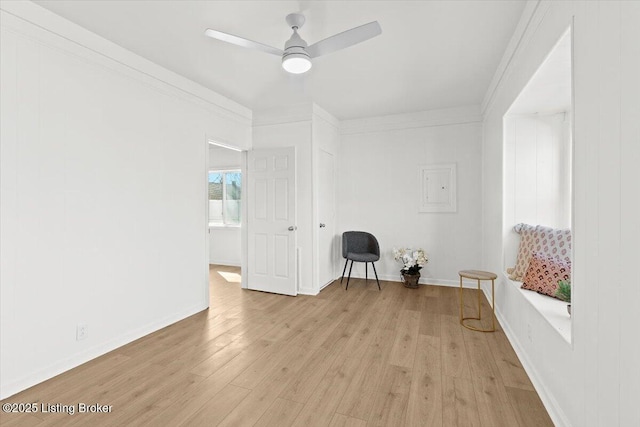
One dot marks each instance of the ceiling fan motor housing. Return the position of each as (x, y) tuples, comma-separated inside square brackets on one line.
[(295, 45), (295, 53)]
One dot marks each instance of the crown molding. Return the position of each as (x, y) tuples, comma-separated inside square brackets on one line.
[(420, 119), (301, 112), (44, 26), (326, 116), (531, 17)]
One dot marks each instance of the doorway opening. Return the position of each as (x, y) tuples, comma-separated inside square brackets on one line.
[(226, 208)]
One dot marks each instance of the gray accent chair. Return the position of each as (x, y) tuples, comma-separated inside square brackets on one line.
[(360, 246)]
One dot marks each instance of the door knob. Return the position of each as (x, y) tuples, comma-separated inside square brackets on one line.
[(322, 225), (292, 228)]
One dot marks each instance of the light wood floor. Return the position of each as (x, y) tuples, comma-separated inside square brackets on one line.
[(343, 358)]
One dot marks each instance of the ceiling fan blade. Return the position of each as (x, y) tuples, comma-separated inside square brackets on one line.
[(239, 41), (345, 39)]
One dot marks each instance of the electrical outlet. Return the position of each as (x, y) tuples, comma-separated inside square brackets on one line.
[(82, 331)]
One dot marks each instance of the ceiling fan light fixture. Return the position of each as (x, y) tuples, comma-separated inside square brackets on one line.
[(296, 63), (297, 54)]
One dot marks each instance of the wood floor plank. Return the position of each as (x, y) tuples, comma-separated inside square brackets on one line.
[(413, 300), (351, 319), (228, 353), (392, 397), (431, 291), (359, 398), (429, 315), (480, 357), (307, 379), (261, 367), (528, 408), (394, 297), (258, 401), (192, 356), (509, 366), (425, 397), (217, 408), (449, 301), (403, 352), (455, 361), (19, 420), (325, 399), (459, 407), (340, 420), (322, 404), (343, 358), (193, 398), (281, 413), (494, 406)]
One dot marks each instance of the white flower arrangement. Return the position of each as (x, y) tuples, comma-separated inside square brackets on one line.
[(412, 260)]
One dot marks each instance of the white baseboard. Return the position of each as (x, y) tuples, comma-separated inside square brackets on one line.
[(307, 291), (556, 413), (423, 280), (11, 388)]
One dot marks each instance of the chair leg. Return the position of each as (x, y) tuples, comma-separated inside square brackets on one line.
[(346, 261), (349, 276), (366, 272), (374, 270)]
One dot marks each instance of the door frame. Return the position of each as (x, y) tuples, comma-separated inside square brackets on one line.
[(318, 285), (209, 140)]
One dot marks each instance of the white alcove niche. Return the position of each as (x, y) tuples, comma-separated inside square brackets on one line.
[(538, 150)]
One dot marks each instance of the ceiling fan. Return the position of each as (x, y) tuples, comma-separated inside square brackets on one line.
[(297, 55)]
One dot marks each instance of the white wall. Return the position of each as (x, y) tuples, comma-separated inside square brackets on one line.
[(379, 189), (537, 153), (115, 147), (225, 242), (595, 381)]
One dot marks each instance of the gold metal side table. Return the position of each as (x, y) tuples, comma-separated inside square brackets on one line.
[(478, 275)]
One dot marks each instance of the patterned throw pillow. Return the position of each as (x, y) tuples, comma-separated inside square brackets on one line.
[(553, 242), (546, 240), (527, 244), (544, 272)]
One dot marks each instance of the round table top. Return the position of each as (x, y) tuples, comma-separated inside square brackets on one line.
[(477, 274)]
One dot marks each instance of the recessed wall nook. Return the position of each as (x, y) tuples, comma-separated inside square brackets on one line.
[(538, 183)]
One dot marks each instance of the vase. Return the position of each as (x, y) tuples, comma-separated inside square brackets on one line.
[(410, 280)]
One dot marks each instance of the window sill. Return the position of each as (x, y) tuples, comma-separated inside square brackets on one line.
[(552, 310), (224, 226)]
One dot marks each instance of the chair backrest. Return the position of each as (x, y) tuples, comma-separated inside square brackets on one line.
[(359, 242)]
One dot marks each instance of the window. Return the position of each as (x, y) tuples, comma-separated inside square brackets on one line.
[(225, 189)]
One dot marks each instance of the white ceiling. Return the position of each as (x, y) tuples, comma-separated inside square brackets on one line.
[(431, 54)]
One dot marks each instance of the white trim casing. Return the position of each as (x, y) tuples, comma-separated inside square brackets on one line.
[(440, 117)]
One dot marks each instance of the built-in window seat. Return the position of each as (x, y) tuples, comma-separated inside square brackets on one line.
[(551, 309)]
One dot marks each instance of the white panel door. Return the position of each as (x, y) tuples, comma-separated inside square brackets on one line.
[(326, 215), (271, 221)]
